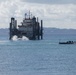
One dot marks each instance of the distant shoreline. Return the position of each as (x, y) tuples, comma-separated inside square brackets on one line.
[(45, 31)]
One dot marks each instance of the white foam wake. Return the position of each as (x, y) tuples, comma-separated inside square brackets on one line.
[(15, 38), (24, 38)]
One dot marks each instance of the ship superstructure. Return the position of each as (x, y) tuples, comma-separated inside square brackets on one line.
[(30, 27)]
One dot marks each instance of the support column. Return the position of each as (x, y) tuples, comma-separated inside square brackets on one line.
[(10, 33), (38, 29), (41, 29)]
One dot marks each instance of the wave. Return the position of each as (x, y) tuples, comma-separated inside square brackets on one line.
[(3, 42)]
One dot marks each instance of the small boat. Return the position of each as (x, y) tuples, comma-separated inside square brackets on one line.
[(67, 42)]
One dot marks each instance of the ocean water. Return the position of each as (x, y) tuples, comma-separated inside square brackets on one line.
[(43, 57)]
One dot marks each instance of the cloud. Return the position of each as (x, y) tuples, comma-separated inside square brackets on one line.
[(54, 15), (51, 1)]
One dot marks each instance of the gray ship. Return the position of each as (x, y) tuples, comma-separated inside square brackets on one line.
[(30, 27)]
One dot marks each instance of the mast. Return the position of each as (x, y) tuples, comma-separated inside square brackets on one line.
[(29, 14)]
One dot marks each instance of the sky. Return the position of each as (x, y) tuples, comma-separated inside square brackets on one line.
[(54, 13)]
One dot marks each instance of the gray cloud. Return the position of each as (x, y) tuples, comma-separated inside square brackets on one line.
[(53, 15), (51, 1), (4, 0)]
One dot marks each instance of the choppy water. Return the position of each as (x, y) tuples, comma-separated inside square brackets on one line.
[(43, 57)]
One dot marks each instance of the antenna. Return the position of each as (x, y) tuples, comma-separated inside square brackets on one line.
[(25, 15), (29, 14)]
